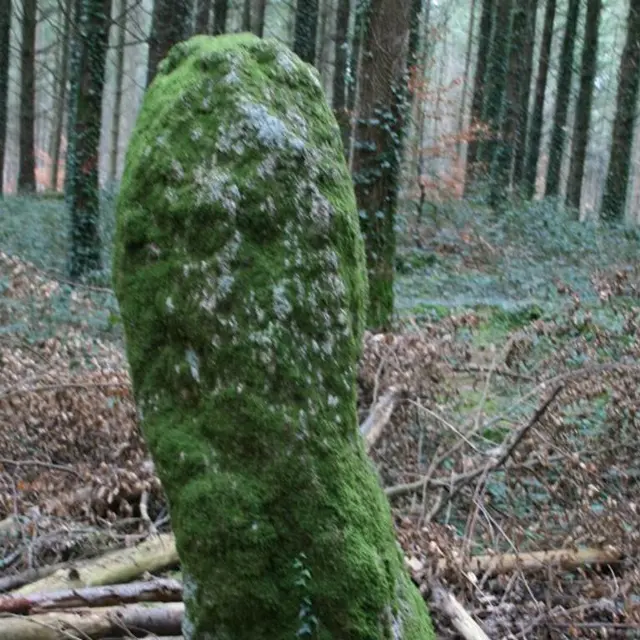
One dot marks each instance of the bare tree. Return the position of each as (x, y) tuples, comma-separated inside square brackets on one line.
[(60, 98), (27, 166), (306, 29), (170, 24), (119, 80), (89, 54), (5, 38), (220, 9)]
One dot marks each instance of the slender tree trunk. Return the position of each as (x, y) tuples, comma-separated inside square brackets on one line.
[(246, 16), (583, 109), (496, 79), (202, 16), (220, 10), (535, 131), (83, 154), (27, 166), (502, 160), (170, 24), (323, 42), (117, 103), (465, 76), (5, 40), (377, 151), (341, 71), (615, 191), (477, 101), (61, 96), (520, 151), (563, 95), (261, 12), (306, 29)]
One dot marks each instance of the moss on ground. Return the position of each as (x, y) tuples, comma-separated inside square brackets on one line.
[(240, 273)]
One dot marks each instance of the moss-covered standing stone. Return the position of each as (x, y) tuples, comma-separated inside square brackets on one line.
[(239, 269)]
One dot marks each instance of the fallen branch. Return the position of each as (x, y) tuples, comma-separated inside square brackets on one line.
[(372, 428), (565, 558), (446, 602), (115, 622), (30, 575), (456, 482), (121, 565), (160, 590)]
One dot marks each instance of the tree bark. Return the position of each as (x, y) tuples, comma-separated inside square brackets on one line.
[(341, 70), (220, 10), (246, 16), (563, 95), (83, 153), (520, 151), (306, 29), (170, 24), (615, 191), (535, 131), (465, 75), (27, 166), (261, 12), (477, 101), (5, 41), (496, 79), (378, 145), (202, 16), (503, 156), (583, 108), (61, 96), (117, 103)]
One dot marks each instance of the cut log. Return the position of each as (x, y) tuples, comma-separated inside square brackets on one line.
[(107, 596), (121, 565), (115, 622)]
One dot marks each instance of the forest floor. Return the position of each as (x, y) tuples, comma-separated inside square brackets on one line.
[(516, 414)]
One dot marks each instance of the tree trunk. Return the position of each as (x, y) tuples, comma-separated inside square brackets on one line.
[(61, 96), (520, 151), (378, 145), (503, 156), (341, 70), (261, 12), (27, 166), (83, 153), (246, 16), (535, 131), (496, 79), (202, 16), (583, 108), (477, 101), (615, 191), (563, 95), (306, 29), (170, 24), (5, 40), (465, 76), (220, 10), (323, 38), (117, 102)]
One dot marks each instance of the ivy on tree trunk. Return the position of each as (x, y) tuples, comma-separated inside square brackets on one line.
[(27, 166), (563, 95), (615, 192), (377, 153), (306, 28), (82, 173)]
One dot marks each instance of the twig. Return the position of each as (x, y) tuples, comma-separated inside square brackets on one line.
[(41, 463)]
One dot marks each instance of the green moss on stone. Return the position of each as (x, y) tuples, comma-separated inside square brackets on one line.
[(240, 273)]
